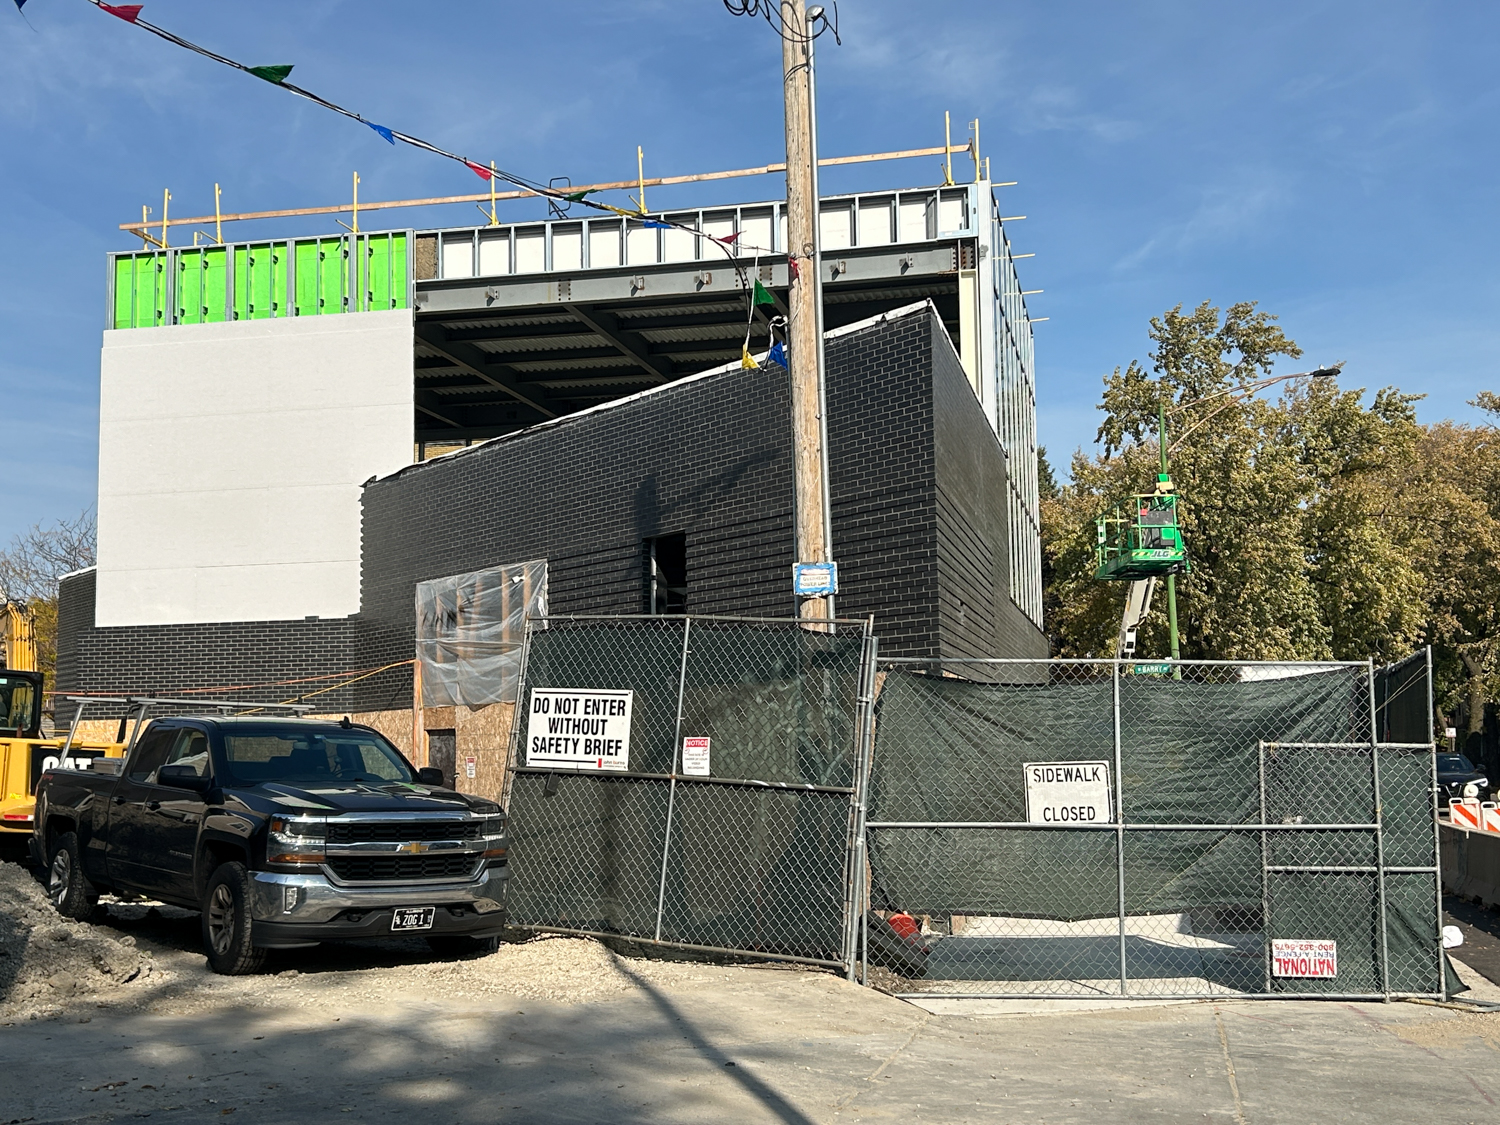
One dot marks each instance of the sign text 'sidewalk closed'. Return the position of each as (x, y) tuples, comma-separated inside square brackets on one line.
[(1067, 793)]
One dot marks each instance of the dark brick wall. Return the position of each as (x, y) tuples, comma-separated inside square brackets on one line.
[(252, 657), (917, 489), (975, 612)]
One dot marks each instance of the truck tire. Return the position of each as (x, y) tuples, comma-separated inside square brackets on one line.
[(226, 922), (72, 894), (454, 945)]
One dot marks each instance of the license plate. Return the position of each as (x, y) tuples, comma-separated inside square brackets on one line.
[(413, 917)]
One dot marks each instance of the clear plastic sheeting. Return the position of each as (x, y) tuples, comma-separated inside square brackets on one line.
[(470, 631)]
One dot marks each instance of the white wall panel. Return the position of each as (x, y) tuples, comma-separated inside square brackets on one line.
[(458, 256), (531, 250), (494, 253), (604, 244), (230, 463), (567, 248)]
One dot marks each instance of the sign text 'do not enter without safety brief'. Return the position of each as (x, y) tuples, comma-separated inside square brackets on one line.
[(579, 728)]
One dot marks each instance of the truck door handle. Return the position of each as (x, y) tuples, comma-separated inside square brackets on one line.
[(153, 805), (119, 800)]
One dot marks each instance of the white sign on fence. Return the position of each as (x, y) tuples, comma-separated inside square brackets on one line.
[(579, 728), (1068, 793), (695, 757), (1302, 957)]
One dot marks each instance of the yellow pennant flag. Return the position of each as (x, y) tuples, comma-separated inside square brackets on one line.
[(746, 362)]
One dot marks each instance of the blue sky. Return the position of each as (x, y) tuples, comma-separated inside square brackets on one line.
[(1334, 161)]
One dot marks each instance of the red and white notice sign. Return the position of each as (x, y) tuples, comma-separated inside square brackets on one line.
[(695, 757), (1304, 957)]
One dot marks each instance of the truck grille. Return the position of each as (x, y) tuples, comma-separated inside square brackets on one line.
[(385, 868), (400, 831)]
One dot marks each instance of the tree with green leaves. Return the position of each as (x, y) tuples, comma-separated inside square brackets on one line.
[(1295, 512)]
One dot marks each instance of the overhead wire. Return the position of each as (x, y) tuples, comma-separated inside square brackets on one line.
[(277, 76)]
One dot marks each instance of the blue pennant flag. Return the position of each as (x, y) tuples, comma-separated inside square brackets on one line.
[(652, 223), (383, 131), (777, 354), (20, 4)]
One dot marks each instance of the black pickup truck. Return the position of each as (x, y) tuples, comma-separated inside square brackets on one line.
[(282, 832)]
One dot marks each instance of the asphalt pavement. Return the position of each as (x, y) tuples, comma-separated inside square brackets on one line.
[(1480, 926)]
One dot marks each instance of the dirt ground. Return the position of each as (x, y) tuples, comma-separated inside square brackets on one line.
[(565, 1030)]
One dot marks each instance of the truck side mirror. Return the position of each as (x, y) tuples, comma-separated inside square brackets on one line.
[(184, 777), (431, 775)]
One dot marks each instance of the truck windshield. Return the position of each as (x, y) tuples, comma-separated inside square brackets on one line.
[(17, 704), (299, 756)]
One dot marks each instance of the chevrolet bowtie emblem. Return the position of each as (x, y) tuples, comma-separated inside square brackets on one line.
[(416, 847)]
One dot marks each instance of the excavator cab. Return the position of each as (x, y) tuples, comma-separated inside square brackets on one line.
[(20, 704), (24, 753)]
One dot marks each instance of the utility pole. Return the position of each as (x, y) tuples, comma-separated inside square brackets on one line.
[(804, 302)]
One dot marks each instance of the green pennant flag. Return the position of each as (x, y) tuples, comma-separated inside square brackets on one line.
[(763, 295), (578, 196), (276, 74)]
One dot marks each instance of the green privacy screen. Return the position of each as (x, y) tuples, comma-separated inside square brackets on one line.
[(260, 280), (1257, 812), (752, 856)]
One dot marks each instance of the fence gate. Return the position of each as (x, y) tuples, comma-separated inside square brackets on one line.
[(729, 824), (1181, 829)]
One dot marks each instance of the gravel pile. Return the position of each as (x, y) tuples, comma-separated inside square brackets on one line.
[(47, 960)]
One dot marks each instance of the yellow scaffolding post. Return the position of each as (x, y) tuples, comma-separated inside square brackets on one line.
[(947, 149)]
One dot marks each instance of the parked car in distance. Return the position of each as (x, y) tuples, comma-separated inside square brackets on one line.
[(1457, 777), (282, 832)]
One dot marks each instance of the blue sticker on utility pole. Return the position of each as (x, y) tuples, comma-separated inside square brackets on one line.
[(815, 580)]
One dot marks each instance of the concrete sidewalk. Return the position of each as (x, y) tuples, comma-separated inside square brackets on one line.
[(753, 1045)]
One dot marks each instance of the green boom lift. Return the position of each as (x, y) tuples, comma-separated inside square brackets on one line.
[(1140, 541)]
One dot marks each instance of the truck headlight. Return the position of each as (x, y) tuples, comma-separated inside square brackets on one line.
[(493, 838), (296, 840)]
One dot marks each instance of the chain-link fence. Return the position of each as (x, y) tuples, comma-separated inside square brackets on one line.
[(732, 825), (1085, 828)]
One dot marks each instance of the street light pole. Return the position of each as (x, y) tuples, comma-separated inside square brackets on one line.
[(1164, 484)]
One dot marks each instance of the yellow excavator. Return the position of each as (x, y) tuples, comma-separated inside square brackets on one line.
[(24, 753)]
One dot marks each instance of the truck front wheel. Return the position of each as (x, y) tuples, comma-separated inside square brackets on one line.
[(226, 922), (69, 891)]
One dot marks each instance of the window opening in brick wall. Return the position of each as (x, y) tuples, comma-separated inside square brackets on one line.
[(666, 574)]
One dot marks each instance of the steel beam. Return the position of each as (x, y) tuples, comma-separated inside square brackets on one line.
[(631, 345), (704, 279), (468, 358)]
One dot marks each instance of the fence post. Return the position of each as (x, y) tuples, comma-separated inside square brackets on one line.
[(1437, 845), (863, 754), (1120, 833), (666, 836), (1385, 962), (1265, 870)]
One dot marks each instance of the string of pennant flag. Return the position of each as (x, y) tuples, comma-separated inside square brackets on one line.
[(278, 75)]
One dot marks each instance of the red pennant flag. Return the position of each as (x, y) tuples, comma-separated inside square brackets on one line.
[(796, 272), (729, 238), (478, 169), (126, 12)]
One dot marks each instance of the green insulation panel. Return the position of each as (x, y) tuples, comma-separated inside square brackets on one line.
[(383, 279), (260, 280), (140, 291), (202, 286)]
